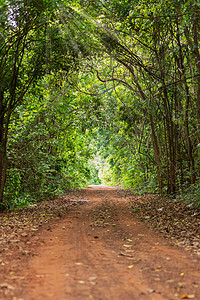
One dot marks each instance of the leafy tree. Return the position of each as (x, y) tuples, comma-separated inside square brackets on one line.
[(150, 46), (46, 145), (32, 45), (136, 89)]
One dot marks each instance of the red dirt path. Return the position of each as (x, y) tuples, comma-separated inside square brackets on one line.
[(99, 251)]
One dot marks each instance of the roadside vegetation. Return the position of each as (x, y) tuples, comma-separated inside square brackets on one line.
[(99, 92)]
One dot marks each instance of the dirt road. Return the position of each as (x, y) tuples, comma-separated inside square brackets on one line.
[(99, 251)]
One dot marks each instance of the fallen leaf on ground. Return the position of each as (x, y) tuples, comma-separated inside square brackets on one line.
[(92, 278), (170, 280), (131, 266), (150, 290), (6, 286), (129, 240), (187, 296), (126, 254)]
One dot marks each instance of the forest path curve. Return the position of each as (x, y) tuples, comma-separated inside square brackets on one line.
[(99, 251)]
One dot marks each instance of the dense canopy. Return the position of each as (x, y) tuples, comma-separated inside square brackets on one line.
[(102, 91)]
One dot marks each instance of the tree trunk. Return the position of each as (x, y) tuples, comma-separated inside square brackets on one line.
[(3, 165), (3, 168), (186, 119), (157, 154), (4, 122), (193, 44)]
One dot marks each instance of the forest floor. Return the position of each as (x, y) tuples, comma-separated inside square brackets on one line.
[(100, 243)]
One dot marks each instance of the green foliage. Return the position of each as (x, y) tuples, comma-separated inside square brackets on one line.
[(99, 91), (46, 147), (190, 194), (149, 46)]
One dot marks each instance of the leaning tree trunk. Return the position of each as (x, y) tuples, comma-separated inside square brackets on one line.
[(3, 165), (3, 168), (3, 154)]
